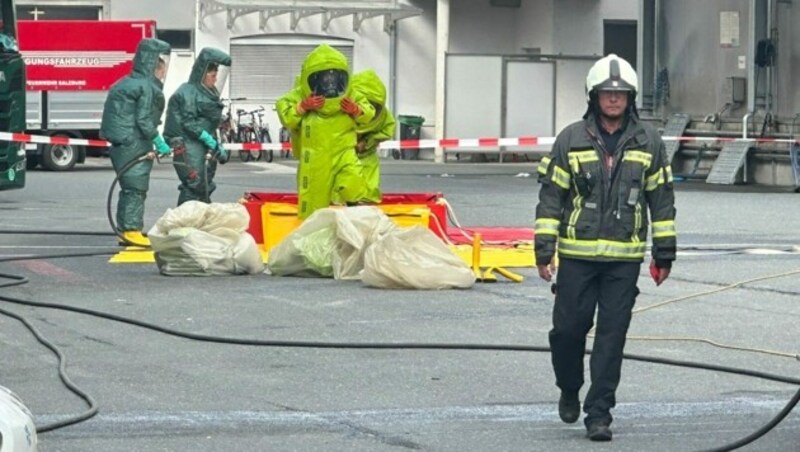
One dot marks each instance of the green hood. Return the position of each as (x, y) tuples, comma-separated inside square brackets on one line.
[(322, 58), (207, 55), (370, 85), (146, 59)]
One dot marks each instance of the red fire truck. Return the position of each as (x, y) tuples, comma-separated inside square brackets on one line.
[(71, 64)]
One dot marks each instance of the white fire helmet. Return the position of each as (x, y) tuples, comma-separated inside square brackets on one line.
[(611, 73), (17, 430)]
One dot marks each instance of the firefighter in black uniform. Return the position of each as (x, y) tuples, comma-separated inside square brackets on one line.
[(603, 175)]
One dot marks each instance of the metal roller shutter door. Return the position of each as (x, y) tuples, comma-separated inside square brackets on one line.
[(263, 73)]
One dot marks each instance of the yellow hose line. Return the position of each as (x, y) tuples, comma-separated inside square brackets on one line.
[(715, 344), (721, 289), (709, 341)]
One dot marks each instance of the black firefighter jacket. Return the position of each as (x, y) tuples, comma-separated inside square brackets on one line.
[(594, 215)]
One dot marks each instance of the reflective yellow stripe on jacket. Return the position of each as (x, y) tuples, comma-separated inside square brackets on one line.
[(645, 158), (543, 165), (601, 248), (561, 178), (573, 218), (664, 228), (576, 157), (547, 226), (660, 177), (576, 161), (637, 223)]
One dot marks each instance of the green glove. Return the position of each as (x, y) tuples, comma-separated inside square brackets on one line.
[(208, 140), (8, 43), (222, 155), (161, 146)]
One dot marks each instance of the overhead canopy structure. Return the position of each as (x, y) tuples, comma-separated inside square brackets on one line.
[(390, 10)]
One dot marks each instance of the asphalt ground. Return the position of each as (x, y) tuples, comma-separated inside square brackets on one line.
[(164, 393)]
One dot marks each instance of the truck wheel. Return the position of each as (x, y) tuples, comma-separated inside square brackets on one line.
[(59, 157)]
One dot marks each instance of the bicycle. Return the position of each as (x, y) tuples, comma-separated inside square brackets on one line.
[(227, 126), (246, 133), (284, 137), (264, 135)]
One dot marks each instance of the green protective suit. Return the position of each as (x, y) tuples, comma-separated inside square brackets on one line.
[(131, 116), (380, 129), (192, 110), (328, 166)]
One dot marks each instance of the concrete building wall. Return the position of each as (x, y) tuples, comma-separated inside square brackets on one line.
[(535, 26), (172, 14), (370, 43), (473, 28), (698, 65), (566, 27), (546, 26), (416, 65), (578, 24)]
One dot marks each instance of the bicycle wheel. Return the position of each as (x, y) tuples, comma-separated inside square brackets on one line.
[(244, 155), (253, 138), (269, 154)]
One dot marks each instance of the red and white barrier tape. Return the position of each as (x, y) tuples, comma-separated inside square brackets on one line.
[(546, 141), (732, 139), (257, 146), (447, 143), (43, 139)]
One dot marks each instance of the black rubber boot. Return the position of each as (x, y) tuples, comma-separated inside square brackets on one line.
[(598, 431), (569, 407)]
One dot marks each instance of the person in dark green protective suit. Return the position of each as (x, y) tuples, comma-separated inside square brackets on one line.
[(131, 116), (370, 135), (193, 114), (326, 111)]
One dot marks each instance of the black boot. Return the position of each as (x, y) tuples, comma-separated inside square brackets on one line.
[(569, 407), (598, 431)]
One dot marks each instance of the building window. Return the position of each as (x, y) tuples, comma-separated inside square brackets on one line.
[(506, 3), (49, 12), (177, 39), (620, 37), (265, 72)]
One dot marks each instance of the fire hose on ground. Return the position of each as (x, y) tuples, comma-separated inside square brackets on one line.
[(93, 409)]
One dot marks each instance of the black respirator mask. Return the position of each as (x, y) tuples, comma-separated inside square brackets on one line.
[(329, 83)]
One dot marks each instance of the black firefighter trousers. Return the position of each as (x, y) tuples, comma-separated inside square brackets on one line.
[(581, 287)]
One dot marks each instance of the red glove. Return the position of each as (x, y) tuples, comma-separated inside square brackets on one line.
[(351, 108), (310, 103), (659, 275)]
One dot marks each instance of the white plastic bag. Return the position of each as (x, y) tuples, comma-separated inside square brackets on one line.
[(414, 258), (205, 239), (331, 242), (357, 228), (363, 243)]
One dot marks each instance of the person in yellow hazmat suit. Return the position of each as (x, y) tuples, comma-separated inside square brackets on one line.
[(325, 112), (370, 135)]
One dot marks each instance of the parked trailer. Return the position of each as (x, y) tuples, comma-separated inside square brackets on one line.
[(71, 65)]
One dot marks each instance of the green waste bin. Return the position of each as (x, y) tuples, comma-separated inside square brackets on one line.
[(410, 127)]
